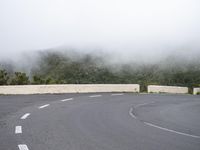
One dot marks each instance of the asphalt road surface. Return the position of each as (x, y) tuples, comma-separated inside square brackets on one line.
[(102, 121)]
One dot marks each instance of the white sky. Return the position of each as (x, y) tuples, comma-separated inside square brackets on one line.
[(128, 27)]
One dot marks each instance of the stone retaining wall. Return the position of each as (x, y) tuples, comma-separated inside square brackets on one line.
[(196, 91), (167, 89), (69, 88)]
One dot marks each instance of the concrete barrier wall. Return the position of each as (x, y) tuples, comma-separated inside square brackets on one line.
[(69, 88), (196, 91), (167, 89)]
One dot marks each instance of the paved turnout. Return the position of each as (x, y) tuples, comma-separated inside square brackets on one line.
[(105, 121)]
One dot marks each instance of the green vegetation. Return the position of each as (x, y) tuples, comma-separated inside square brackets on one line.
[(56, 68), (3, 77), (19, 78)]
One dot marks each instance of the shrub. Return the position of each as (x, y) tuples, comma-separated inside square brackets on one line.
[(20, 79), (38, 80), (3, 77)]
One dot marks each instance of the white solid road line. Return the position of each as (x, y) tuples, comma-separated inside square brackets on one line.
[(131, 113), (18, 129), (64, 100), (25, 116), (118, 94), (95, 96), (43, 106), (23, 147), (173, 131)]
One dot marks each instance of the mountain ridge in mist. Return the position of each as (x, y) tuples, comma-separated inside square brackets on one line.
[(26, 61)]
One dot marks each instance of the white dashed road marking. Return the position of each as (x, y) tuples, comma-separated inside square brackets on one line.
[(25, 116), (18, 129), (173, 131), (131, 113), (43, 106), (143, 104), (95, 96), (118, 94), (23, 147), (69, 99)]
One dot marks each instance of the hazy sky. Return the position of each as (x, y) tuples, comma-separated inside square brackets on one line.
[(128, 27)]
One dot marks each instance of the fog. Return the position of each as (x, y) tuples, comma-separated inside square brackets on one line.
[(124, 30)]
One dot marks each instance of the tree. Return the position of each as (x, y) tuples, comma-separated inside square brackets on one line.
[(3, 77), (20, 79)]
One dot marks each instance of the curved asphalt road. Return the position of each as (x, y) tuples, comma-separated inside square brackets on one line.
[(100, 122)]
